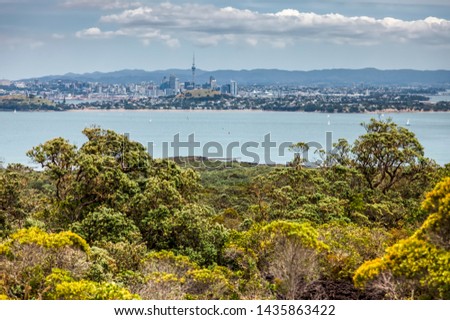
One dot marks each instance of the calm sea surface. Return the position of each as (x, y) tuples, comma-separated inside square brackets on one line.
[(214, 130)]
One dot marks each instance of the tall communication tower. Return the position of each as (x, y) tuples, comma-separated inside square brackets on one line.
[(193, 70)]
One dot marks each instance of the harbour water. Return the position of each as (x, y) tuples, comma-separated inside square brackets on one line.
[(262, 135)]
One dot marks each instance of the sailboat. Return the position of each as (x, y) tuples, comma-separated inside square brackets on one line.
[(408, 123)]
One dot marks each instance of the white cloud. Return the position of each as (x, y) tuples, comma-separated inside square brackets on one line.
[(97, 33), (144, 34), (208, 25), (13, 42), (252, 41), (35, 44), (102, 4), (14, 1), (145, 42), (58, 36), (403, 2), (173, 43)]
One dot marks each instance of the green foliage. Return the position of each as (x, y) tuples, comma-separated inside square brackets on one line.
[(161, 286), (229, 187), (350, 245), (126, 256), (106, 224), (171, 276), (10, 206), (300, 150), (102, 267), (204, 284), (379, 180), (301, 233), (287, 252), (388, 154), (189, 231), (21, 192), (103, 172), (130, 156), (111, 190), (341, 154), (237, 232), (167, 262), (318, 196), (229, 218), (57, 156)]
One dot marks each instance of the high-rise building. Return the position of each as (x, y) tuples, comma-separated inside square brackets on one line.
[(212, 83), (233, 88), (193, 68), (225, 89), (174, 83)]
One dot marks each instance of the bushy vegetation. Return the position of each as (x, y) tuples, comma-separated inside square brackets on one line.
[(107, 221)]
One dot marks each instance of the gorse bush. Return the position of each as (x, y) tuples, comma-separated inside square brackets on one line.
[(30, 255), (417, 267)]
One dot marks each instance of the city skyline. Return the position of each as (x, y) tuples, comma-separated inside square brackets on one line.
[(46, 37)]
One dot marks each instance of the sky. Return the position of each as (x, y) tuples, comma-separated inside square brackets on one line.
[(48, 37)]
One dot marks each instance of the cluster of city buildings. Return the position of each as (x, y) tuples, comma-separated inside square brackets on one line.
[(59, 90), (161, 94), (172, 86), (65, 90)]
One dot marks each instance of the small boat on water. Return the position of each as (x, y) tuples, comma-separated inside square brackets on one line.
[(408, 123)]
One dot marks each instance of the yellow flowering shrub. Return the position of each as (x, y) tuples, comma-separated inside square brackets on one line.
[(39, 237), (417, 267), (63, 287), (205, 284), (29, 255)]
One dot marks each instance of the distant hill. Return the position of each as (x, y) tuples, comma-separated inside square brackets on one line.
[(368, 76), (25, 103)]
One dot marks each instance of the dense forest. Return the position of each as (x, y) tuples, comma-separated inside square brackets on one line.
[(107, 221)]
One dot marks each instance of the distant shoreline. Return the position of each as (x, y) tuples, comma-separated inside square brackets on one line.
[(388, 111)]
